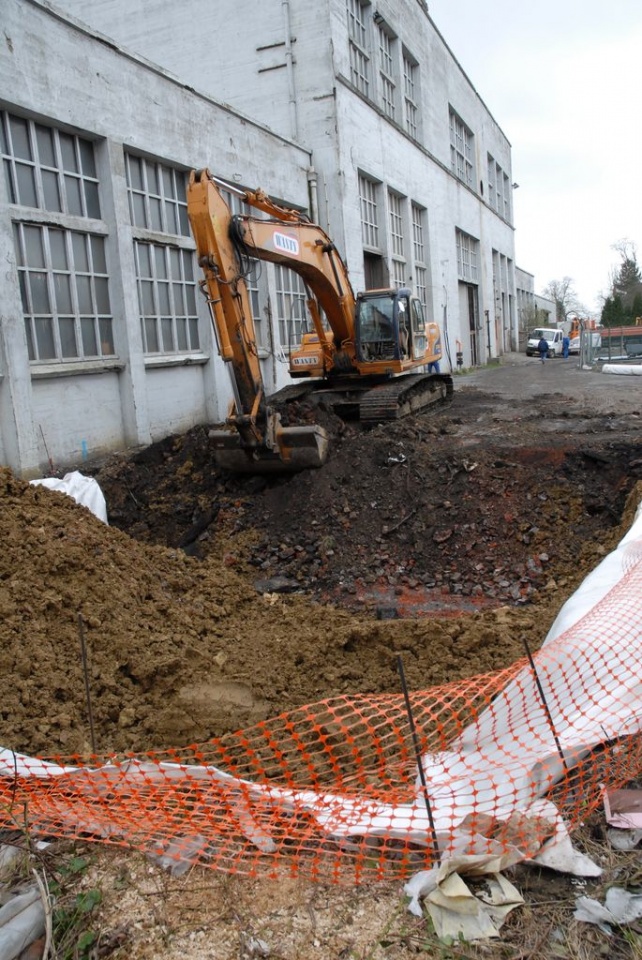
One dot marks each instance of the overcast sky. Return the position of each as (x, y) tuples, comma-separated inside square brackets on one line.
[(563, 79)]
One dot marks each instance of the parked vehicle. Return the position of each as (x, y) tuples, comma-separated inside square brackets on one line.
[(552, 335)]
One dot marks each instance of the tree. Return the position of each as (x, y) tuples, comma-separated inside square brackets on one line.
[(623, 304), (562, 293)]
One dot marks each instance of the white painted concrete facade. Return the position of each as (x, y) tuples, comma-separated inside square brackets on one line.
[(62, 398), (375, 129)]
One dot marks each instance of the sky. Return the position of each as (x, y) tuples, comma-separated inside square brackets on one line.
[(563, 79)]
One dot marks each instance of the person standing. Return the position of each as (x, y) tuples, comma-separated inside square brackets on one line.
[(542, 348), (566, 345)]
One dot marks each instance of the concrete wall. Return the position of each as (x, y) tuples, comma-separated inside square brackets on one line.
[(61, 74)]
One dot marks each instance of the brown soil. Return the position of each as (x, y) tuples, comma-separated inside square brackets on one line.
[(211, 601)]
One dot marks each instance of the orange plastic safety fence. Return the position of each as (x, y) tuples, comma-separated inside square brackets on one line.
[(331, 790)]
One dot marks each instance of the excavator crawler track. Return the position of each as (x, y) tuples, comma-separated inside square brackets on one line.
[(404, 396)]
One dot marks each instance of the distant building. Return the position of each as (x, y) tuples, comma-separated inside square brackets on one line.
[(533, 310), (358, 114)]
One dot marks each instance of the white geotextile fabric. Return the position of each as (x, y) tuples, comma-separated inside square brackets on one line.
[(84, 490), (624, 369), (504, 762)]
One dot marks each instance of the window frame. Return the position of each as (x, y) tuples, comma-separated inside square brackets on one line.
[(387, 74), (467, 256), (410, 91), (171, 204), (84, 286), (359, 44), (369, 190), (71, 162), (462, 152)]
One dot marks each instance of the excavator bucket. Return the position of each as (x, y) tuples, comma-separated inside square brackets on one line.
[(297, 448)]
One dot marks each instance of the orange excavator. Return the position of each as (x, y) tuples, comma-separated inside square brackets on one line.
[(366, 355)]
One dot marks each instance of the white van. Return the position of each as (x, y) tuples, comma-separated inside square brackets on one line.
[(554, 338)]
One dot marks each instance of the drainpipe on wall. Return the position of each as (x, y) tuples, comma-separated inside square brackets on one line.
[(289, 64), (313, 191)]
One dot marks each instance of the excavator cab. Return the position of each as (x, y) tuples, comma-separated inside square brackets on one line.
[(389, 326)]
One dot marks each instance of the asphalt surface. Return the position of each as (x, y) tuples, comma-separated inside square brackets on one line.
[(516, 376)]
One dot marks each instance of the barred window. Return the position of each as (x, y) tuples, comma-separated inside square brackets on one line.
[(506, 196), (421, 286), (358, 34), (65, 293), (461, 150), (467, 256), (418, 232), (419, 253), (291, 297), (395, 208), (398, 273), (410, 72), (47, 168), (386, 72), (157, 196), (167, 298), (369, 219)]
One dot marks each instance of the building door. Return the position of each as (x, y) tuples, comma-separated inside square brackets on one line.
[(473, 323), (375, 272)]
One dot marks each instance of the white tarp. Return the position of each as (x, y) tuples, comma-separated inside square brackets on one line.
[(624, 369), (84, 490)]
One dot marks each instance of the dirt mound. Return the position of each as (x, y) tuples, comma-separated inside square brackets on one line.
[(181, 650), (188, 630)]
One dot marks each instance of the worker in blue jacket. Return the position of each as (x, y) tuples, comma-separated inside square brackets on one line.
[(542, 348)]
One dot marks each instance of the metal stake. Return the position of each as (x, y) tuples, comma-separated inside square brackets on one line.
[(549, 716), (83, 648), (420, 767)]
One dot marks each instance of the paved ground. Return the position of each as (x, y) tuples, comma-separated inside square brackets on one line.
[(520, 377)]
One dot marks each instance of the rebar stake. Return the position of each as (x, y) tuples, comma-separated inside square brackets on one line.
[(83, 648), (549, 716), (420, 767)]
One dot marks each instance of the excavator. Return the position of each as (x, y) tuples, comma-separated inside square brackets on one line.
[(366, 355)]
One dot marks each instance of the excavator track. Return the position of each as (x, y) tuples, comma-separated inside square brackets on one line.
[(404, 396)]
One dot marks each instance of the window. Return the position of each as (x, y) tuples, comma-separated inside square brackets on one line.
[(62, 271), (491, 182), (369, 222), (65, 294), (291, 297), (358, 34), (461, 150), (395, 206), (398, 262), (167, 298), (498, 189), (157, 196), (398, 273), (48, 169), (164, 270), (410, 71), (418, 252), (386, 72), (467, 256), (506, 196)]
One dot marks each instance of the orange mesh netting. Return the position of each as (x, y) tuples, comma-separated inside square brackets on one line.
[(331, 790)]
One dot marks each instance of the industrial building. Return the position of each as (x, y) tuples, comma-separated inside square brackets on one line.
[(356, 112)]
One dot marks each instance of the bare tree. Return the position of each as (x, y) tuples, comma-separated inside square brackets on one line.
[(563, 294)]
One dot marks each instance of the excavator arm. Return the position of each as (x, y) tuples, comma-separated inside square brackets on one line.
[(257, 441)]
